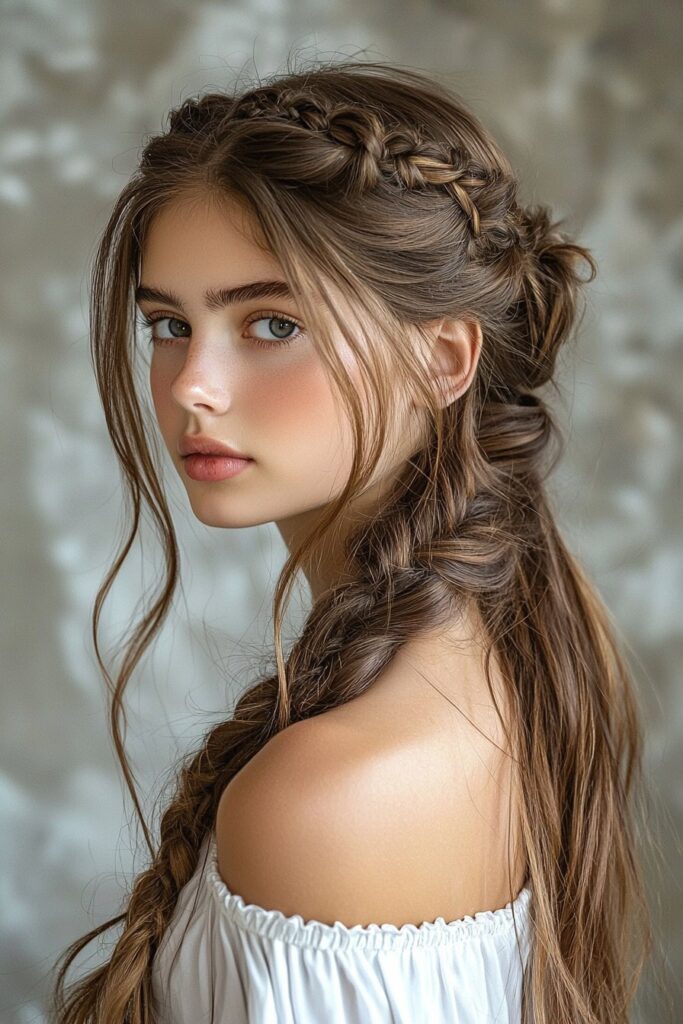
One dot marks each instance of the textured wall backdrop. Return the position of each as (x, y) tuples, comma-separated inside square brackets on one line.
[(585, 97)]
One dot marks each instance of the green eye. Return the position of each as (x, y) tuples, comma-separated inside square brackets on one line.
[(150, 321), (281, 326)]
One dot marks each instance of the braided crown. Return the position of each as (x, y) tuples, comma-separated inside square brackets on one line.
[(395, 152)]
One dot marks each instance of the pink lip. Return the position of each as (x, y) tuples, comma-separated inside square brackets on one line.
[(213, 467), (203, 445)]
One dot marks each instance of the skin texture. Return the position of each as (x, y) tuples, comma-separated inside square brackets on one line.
[(397, 785)]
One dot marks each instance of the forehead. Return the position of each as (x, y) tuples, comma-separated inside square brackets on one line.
[(192, 235)]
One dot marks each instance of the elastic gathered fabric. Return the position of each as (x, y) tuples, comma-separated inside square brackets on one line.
[(240, 963)]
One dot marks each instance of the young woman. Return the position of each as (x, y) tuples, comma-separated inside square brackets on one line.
[(424, 813)]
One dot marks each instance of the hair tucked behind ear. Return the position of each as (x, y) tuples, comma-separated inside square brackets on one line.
[(376, 181)]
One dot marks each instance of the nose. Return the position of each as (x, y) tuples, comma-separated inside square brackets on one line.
[(202, 381)]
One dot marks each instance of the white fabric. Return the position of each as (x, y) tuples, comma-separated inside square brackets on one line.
[(250, 965)]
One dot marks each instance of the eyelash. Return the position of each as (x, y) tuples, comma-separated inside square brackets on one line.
[(149, 321)]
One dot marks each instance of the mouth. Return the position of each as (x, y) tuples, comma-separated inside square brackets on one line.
[(210, 467), (200, 444)]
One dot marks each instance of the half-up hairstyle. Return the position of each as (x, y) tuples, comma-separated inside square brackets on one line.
[(374, 184)]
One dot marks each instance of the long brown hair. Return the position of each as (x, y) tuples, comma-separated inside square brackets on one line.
[(377, 180)]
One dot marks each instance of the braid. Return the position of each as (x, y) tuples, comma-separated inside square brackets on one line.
[(420, 163), (397, 153), (189, 817)]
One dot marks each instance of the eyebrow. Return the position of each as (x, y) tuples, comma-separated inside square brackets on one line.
[(219, 298)]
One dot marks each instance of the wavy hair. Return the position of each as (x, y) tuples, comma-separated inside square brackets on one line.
[(376, 181)]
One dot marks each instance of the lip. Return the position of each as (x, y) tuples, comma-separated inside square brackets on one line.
[(200, 444), (210, 468)]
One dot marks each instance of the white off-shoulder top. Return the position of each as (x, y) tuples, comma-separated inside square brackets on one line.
[(237, 962)]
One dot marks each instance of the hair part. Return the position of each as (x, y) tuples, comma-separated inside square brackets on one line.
[(376, 188)]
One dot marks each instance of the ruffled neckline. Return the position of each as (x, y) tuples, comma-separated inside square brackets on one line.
[(274, 924)]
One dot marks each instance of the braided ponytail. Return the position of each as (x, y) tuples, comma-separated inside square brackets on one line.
[(380, 182)]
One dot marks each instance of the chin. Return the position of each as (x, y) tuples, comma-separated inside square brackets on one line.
[(218, 511)]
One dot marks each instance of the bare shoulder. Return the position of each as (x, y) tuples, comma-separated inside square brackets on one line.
[(348, 818), (291, 833)]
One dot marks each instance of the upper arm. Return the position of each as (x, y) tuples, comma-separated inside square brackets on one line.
[(315, 826)]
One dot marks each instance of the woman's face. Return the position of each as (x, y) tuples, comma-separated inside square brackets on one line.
[(245, 374)]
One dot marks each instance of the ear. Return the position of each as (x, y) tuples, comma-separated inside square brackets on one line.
[(455, 352)]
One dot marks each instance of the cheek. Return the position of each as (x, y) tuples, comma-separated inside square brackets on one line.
[(290, 393), (301, 414)]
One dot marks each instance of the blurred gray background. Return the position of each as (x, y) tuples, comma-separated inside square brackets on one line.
[(585, 97)]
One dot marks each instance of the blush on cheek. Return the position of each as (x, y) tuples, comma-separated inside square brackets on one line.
[(297, 416), (299, 394)]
